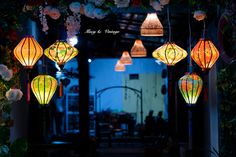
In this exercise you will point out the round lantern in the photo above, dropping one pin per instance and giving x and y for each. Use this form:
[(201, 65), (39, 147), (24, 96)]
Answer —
[(43, 87), (205, 54), (60, 52), (138, 50), (190, 86), (169, 53), (28, 51)]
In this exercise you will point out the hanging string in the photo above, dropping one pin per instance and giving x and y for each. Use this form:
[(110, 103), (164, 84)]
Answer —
[(190, 41), (168, 18), (204, 29)]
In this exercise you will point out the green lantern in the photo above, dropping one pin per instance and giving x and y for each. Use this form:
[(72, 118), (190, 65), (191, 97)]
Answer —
[(190, 86), (43, 87)]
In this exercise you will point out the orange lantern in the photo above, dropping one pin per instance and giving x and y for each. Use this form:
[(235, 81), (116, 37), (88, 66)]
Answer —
[(169, 53), (205, 54), (138, 50), (151, 26), (125, 58), (119, 66), (28, 51), (190, 86)]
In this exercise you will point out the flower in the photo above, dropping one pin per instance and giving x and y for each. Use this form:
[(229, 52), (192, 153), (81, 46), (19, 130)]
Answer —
[(54, 13), (164, 2), (75, 7), (156, 5), (199, 15), (47, 9), (99, 2), (14, 94), (3, 68), (89, 10), (7, 75)]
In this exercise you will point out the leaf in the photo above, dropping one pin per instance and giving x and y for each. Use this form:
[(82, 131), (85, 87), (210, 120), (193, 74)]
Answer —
[(4, 151), (19, 147), (4, 134)]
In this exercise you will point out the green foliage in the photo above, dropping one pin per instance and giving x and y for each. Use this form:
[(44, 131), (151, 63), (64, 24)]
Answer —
[(19, 147)]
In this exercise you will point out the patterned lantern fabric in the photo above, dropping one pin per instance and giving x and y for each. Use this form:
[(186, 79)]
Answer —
[(138, 50), (119, 66), (169, 53), (43, 87), (125, 58), (60, 52), (205, 54), (151, 26), (190, 86), (28, 51)]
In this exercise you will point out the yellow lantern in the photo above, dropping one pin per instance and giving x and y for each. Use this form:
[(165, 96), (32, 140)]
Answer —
[(151, 26), (205, 54), (125, 58), (119, 66), (169, 53), (28, 51), (43, 87), (138, 50), (190, 86), (60, 52)]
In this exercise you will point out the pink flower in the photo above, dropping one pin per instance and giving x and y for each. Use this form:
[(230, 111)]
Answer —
[(14, 94), (47, 10), (54, 13), (199, 15)]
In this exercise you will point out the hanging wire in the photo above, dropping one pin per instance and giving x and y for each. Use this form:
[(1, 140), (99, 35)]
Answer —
[(168, 18), (190, 40), (204, 29)]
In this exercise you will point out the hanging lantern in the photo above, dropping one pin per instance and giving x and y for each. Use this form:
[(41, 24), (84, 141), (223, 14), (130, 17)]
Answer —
[(169, 53), (125, 58), (60, 52), (205, 54), (28, 51), (190, 86), (119, 66), (151, 26), (43, 87), (138, 50)]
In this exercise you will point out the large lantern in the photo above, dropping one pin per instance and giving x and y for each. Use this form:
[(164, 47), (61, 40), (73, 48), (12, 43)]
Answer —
[(169, 53), (138, 50), (205, 54), (190, 86), (60, 52), (151, 26), (43, 87), (125, 58), (28, 51)]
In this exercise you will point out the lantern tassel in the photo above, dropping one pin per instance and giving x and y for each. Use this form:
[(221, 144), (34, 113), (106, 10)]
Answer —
[(61, 89)]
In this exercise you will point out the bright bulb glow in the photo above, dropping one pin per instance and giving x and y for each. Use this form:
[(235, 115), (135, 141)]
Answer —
[(72, 41), (89, 60)]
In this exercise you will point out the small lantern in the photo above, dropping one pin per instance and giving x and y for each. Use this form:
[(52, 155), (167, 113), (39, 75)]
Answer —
[(190, 86), (119, 66), (125, 58), (43, 87), (169, 53), (205, 54), (60, 52), (151, 26), (138, 50), (28, 51)]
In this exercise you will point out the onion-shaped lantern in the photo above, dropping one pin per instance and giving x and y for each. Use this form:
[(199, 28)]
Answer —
[(190, 86), (60, 52), (151, 26), (205, 54), (138, 50), (125, 58), (119, 66), (28, 51), (43, 87), (169, 53)]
